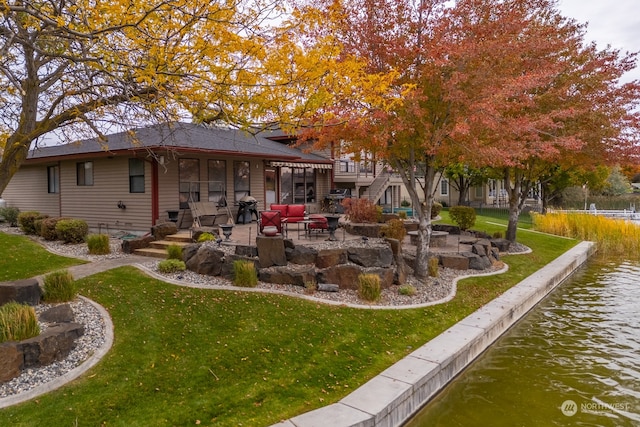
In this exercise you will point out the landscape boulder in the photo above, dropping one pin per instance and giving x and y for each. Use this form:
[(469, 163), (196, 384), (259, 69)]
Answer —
[(61, 313), (129, 246), (299, 275), (301, 255), (502, 244), (206, 260), (53, 344), (271, 251), (381, 256), (26, 291), (160, 231), (330, 257), (11, 361)]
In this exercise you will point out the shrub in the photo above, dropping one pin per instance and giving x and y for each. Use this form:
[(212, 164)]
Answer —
[(435, 209), (405, 203), (244, 274), (72, 230), (37, 224), (10, 215), (18, 322), (407, 290), (171, 266), (394, 229), (361, 210), (48, 228), (174, 251), (402, 214), (59, 287), (369, 287), (463, 216), (27, 221), (433, 267), (206, 237), (98, 244)]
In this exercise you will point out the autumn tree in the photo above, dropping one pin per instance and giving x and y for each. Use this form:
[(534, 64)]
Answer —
[(396, 106), (462, 177), (545, 95), (72, 70)]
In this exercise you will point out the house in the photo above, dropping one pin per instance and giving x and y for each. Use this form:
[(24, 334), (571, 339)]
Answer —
[(373, 180), (133, 179)]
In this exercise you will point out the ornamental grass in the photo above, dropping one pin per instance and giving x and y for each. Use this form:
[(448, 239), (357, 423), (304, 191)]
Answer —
[(369, 287), (613, 236), (18, 322), (59, 286), (98, 244), (244, 274)]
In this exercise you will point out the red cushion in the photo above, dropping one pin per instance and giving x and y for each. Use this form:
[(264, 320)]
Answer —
[(320, 222), (270, 218), (295, 213), (281, 208)]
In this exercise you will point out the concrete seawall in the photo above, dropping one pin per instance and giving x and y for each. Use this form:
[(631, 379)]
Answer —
[(395, 395)]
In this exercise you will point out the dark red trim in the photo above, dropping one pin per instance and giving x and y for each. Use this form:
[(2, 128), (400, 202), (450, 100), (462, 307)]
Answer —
[(155, 202)]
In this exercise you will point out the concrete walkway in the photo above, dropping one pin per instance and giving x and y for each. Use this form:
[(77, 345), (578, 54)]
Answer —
[(91, 268)]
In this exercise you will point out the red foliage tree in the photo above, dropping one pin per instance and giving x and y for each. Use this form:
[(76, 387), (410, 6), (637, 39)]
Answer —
[(505, 84)]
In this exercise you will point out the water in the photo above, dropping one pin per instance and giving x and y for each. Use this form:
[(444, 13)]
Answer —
[(573, 361)]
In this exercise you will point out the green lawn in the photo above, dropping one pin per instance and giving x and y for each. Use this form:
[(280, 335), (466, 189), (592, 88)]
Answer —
[(21, 258), (187, 356)]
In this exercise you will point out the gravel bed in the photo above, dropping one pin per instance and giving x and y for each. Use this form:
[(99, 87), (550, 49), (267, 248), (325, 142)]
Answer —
[(92, 339), (434, 290)]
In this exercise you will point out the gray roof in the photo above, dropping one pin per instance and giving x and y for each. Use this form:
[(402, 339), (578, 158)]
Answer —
[(182, 137)]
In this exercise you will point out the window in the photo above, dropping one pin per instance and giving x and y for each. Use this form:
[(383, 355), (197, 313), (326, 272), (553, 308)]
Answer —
[(188, 186), (444, 187), (136, 176), (297, 185), (270, 185), (479, 191), (242, 179), (286, 185), (217, 180), (84, 173), (53, 179)]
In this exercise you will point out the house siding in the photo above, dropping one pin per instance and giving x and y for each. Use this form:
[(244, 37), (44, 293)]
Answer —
[(28, 191), (98, 203)]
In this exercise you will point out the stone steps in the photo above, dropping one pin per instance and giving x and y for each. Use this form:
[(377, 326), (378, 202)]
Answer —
[(158, 248)]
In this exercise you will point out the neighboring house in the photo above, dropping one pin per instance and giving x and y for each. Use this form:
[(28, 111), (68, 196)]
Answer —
[(131, 180), (373, 180)]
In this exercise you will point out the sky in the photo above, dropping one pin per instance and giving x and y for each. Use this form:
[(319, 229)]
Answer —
[(610, 22)]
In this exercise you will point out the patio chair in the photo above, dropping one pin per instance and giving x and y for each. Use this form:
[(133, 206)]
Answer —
[(270, 218)]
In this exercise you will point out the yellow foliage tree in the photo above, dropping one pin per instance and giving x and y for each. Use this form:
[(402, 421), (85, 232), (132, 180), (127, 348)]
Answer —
[(79, 69)]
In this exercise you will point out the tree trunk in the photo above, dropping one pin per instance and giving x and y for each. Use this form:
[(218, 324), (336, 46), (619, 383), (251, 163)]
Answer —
[(518, 190), (512, 226), (423, 210)]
